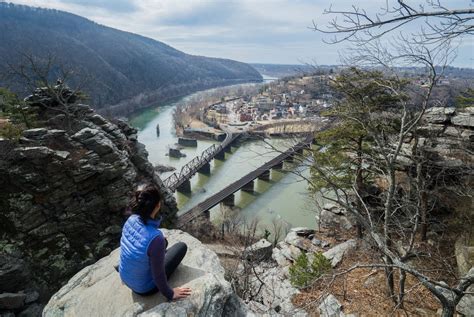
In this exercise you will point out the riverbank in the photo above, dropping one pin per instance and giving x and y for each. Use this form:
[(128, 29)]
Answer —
[(284, 198)]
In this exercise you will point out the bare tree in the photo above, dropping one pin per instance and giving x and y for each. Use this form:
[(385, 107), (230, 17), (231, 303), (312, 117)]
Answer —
[(392, 218), (440, 23), (36, 76)]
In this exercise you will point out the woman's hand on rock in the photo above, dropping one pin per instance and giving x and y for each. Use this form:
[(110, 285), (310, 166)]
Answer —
[(181, 292)]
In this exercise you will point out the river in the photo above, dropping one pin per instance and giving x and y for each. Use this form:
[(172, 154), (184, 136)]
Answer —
[(284, 198)]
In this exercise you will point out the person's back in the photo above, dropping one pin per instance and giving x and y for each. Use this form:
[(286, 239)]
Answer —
[(145, 263), (134, 267)]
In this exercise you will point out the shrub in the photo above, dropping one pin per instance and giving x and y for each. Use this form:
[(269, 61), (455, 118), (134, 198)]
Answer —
[(11, 131), (304, 272)]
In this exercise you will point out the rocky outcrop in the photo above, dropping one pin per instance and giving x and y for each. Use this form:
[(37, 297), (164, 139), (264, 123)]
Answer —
[(336, 253), (447, 134), (98, 291), (273, 289), (65, 188), (333, 216)]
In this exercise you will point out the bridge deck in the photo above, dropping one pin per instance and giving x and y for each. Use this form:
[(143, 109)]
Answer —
[(210, 202), (191, 168)]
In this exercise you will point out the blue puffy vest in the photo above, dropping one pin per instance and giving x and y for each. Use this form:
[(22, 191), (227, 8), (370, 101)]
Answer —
[(134, 265)]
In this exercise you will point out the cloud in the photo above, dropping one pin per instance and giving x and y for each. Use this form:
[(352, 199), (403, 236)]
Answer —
[(112, 6), (274, 31)]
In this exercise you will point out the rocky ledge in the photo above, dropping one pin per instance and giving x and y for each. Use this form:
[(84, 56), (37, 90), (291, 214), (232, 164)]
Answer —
[(65, 187), (98, 291)]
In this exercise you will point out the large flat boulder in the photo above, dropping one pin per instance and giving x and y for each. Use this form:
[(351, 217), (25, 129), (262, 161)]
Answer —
[(98, 291)]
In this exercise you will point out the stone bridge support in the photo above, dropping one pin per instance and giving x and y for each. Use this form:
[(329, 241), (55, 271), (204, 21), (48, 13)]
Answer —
[(205, 169), (265, 175), (229, 201), (248, 187), (185, 187), (278, 166), (220, 155)]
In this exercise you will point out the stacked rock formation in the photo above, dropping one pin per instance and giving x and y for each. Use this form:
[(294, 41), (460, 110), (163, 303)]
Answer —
[(65, 188)]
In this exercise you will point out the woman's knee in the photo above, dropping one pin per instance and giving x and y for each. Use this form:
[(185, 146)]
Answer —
[(182, 246)]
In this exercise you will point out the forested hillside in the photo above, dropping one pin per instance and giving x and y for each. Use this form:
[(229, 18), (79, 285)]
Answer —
[(115, 65)]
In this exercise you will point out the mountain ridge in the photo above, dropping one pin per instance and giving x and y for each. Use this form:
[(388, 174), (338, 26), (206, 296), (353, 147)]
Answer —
[(123, 64)]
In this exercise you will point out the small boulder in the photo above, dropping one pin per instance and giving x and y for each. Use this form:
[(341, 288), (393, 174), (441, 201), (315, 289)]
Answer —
[(299, 241), (289, 251), (330, 307), (279, 258), (259, 251), (336, 253)]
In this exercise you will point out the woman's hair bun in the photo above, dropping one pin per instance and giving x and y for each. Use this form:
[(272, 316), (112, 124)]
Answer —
[(145, 200)]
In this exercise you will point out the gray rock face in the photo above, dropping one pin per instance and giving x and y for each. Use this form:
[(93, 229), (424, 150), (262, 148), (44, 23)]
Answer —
[(439, 114), (65, 187), (98, 291), (336, 253), (464, 119), (259, 251), (466, 304), (331, 216), (12, 300), (330, 307)]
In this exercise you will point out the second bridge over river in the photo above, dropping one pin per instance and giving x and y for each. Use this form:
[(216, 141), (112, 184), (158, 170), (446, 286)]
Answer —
[(246, 183)]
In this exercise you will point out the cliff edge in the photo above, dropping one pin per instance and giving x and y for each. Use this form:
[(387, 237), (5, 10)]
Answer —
[(98, 291), (65, 187)]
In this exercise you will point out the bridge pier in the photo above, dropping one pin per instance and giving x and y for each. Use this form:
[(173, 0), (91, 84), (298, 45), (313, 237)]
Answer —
[(205, 169), (228, 148), (220, 155), (248, 187), (300, 150), (185, 187), (229, 201), (289, 159), (278, 166), (265, 175)]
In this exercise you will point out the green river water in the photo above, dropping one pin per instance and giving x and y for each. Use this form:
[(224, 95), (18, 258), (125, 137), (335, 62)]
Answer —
[(285, 197)]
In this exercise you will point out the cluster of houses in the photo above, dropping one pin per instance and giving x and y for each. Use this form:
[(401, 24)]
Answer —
[(280, 100)]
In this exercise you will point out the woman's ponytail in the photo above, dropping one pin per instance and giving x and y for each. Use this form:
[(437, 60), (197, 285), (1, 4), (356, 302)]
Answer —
[(144, 201)]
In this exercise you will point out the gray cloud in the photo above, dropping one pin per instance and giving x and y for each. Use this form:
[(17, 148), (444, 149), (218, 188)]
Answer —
[(273, 31), (109, 5)]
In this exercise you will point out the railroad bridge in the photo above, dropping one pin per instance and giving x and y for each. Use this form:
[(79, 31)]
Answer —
[(180, 181), (246, 183)]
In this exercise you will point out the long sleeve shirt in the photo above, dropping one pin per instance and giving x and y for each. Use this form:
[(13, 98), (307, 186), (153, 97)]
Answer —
[(156, 252)]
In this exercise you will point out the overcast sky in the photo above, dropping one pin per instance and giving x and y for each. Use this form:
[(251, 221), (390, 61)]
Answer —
[(258, 31)]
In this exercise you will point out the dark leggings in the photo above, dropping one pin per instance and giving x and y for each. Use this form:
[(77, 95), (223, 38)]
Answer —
[(173, 256)]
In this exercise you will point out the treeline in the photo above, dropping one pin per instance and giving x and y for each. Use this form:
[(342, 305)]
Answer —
[(110, 65)]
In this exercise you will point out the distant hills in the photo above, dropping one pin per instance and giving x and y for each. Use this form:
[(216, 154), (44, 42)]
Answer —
[(123, 71)]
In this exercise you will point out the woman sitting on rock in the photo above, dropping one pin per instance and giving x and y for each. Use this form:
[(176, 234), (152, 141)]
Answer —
[(145, 264)]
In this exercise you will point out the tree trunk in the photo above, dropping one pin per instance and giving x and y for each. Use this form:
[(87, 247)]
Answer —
[(424, 211), (401, 293), (390, 280), (359, 185)]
